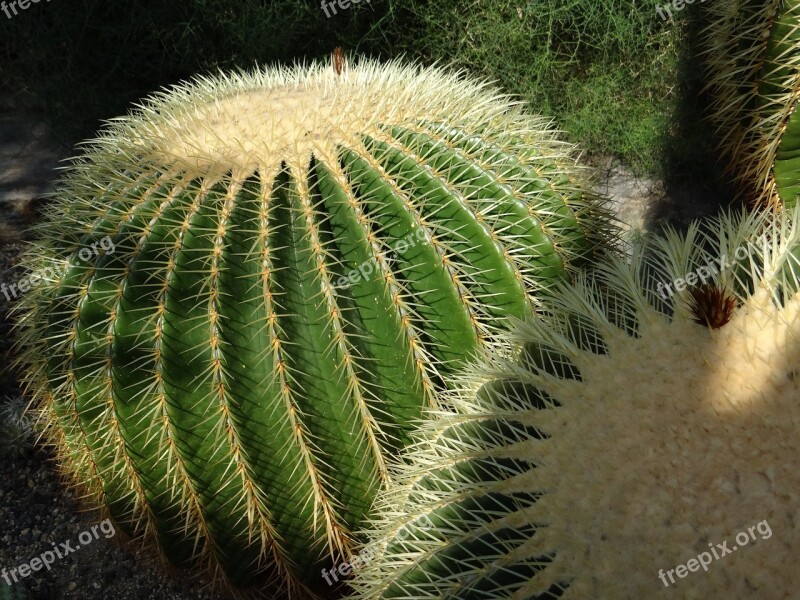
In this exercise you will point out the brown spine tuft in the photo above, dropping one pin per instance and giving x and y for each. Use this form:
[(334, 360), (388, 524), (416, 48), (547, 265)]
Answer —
[(711, 306), (338, 60)]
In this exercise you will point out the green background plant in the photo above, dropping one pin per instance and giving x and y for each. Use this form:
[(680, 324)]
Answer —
[(607, 70)]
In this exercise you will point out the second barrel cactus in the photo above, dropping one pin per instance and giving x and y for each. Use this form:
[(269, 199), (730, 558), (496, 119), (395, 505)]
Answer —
[(644, 446), (247, 290)]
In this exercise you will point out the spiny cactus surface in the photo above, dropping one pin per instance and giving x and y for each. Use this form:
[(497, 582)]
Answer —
[(250, 287), (627, 441), (753, 65)]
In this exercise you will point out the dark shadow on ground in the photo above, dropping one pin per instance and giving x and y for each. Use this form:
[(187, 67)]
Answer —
[(694, 184)]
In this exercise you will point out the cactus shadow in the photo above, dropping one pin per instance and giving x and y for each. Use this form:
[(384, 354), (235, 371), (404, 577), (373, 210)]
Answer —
[(694, 183)]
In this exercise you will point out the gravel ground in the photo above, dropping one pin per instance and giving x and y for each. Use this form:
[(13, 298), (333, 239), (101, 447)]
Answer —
[(37, 512)]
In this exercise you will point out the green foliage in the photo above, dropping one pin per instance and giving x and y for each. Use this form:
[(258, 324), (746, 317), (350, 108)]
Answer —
[(292, 267), (606, 69), (88, 60), (603, 69), (591, 106)]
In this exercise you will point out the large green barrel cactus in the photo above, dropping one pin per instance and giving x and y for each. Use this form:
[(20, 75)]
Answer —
[(247, 290), (753, 69), (645, 444)]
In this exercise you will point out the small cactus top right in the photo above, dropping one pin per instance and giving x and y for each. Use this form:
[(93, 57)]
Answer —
[(752, 57)]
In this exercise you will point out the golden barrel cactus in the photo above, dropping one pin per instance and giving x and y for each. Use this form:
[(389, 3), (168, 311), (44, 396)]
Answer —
[(645, 444), (248, 290), (752, 55)]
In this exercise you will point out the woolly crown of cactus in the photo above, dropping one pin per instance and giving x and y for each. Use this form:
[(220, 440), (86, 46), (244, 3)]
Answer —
[(628, 440), (248, 289), (753, 70)]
